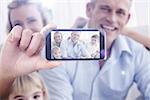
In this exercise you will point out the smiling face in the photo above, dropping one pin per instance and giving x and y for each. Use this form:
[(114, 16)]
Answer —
[(75, 36), (94, 40), (27, 16), (110, 15), (58, 37), (34, 94)]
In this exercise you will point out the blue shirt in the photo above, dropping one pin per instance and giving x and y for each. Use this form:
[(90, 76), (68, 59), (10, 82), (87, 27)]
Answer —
[(83, 80)]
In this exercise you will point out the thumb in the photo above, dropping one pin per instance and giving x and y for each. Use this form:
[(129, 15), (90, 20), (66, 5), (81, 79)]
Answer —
[(45, 64)]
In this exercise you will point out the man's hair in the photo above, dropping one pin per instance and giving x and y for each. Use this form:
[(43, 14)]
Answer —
[(95, 36), (75, 32), (93, 2), (57, 32), (56, 48)]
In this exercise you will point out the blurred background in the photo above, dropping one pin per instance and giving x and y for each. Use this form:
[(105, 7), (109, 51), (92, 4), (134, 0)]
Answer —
[(64, 12)]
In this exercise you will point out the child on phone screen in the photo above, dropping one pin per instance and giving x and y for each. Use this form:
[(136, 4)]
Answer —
[(56, 53)]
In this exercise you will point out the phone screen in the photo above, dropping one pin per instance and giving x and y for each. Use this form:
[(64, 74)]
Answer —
[(76, 44)]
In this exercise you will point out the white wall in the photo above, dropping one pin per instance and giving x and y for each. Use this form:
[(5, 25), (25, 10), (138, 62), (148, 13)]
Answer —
[(66, 11), (3, 19)]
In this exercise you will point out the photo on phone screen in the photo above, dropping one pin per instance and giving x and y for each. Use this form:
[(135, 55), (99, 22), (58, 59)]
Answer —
[(75, 44)]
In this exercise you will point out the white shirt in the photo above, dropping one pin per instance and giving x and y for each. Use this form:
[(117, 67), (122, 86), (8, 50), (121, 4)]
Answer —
[(92, 49), (71, 50)]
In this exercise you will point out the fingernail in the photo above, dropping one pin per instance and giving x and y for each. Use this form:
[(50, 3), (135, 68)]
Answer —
[(11, 37)]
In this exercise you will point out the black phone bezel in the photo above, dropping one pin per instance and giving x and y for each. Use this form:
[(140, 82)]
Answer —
[(102, 35)]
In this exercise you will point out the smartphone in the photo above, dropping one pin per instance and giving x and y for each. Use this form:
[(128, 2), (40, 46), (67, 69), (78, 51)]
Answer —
[(76, 44)]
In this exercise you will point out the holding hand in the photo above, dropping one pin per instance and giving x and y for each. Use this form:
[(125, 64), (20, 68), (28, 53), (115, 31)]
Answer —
[(21, 55)]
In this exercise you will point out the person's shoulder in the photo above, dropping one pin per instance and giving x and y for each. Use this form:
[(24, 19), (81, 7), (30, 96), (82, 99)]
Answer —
[(133, 45)]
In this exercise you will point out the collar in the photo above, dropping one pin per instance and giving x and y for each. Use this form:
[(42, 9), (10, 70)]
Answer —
[(120, 46)]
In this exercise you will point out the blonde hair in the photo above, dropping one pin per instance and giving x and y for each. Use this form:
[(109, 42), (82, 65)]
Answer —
[(24, 83), (54, 49), (18, 3)]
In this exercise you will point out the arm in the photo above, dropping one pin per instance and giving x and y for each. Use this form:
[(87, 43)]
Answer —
[(20, 56), (145, 40)]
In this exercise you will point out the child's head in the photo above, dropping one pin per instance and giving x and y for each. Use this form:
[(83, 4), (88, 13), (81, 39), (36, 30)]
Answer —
[(56, 52), (28, 87), (94, 39)]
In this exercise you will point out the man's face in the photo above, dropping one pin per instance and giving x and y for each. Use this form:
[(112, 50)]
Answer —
[(94, 40), (111, 15), (75, 36)]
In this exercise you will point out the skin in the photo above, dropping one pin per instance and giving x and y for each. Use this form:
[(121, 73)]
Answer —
[(75, 37), (94, 40), (111, 15), (57, 54), (126, 31), (27, 20), (20, 49), (34, 94), (58, 37)]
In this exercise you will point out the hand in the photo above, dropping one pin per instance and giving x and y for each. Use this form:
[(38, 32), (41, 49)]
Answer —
[(80, 22), (21, 53)]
